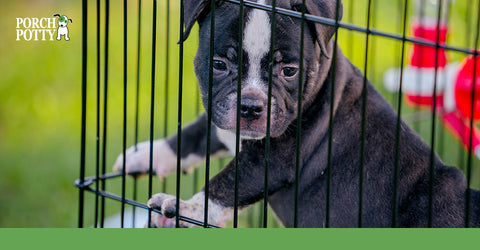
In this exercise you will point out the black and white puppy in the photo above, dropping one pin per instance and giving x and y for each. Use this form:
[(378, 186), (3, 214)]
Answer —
[(413, 189)]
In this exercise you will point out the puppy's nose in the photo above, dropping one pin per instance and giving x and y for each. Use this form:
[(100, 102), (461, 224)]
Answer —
[(251, 108)]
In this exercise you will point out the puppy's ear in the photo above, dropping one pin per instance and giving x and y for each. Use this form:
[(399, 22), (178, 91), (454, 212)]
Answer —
[(56, 15), (321, 8), (70, 20), (193, 11)]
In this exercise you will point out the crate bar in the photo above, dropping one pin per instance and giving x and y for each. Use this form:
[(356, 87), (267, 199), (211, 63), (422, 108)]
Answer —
[(469, 164), (167, 78), (97, 138), (152, 108), (351, 4), (399, 121), (441, 132), (138, 72), (373, 43), (364, 113), (124, 135), (105, 102), (468, 22), (239, 96), (398, 25), (419, 76), (137, 204), (84, 112), (330, 119), (209, 111), (370, 31), (299, 115), (269, 111), (135, 177), (179, 125), (434, 111)]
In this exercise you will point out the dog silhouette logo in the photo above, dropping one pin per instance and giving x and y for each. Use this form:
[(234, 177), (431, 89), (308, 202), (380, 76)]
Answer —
[(62, 27)]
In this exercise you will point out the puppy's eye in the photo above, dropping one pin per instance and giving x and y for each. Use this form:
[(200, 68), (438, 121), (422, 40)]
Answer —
[(289, 71), (219, 65)]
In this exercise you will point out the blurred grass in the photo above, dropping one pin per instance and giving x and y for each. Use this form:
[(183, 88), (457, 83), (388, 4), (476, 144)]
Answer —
[(40, 102)]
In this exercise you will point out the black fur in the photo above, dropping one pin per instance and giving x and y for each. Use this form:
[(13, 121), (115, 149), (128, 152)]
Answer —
[(377, 196)]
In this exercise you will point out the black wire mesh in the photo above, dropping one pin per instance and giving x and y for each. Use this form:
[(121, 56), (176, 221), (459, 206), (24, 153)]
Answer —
[(369, 31)]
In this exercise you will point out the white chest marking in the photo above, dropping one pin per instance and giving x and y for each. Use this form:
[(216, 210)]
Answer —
[(256, 43)]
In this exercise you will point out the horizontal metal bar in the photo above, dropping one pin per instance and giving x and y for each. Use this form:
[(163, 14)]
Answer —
[(142, 205), (353, 27)]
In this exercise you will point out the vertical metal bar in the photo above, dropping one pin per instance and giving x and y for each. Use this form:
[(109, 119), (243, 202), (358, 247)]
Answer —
[(105, 105), (138, 72), (135, 190), (84, 112), (441, 140), (468, 25), (396, 56), (269, 111), (299, 115), (179, 125), (135, 181), (419, 75), (97, 138), (399, 120), (152, 106), (373, 43), (364, 113), (239, 96), (209, 110), (122, 219), (472, 106), (350, 33), (330, 119), (432, 151), (167, 79)]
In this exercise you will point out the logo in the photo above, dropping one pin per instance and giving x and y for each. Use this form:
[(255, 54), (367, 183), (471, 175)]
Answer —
[(43, 29)]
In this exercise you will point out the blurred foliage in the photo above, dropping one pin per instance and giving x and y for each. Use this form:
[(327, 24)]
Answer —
[(40, 101)]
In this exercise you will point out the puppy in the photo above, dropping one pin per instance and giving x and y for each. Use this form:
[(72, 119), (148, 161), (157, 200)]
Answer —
[(62, 27), (449, 190)]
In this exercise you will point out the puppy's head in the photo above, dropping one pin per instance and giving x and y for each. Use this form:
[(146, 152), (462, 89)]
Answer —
[(257, 35), (62, 20)]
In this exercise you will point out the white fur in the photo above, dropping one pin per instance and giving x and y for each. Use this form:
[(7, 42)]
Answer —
[(164, 159), (217, 214), (228, 139), (256, 42)]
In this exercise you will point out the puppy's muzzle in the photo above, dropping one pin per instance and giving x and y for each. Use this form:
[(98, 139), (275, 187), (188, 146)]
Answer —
[(252, 108)]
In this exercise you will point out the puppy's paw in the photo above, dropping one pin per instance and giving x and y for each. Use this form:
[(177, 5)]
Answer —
[(138, 159), (193, 209), (167, 204), (160, 221)]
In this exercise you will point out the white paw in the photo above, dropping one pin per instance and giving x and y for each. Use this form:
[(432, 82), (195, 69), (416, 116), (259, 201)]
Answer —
[(138, 159), (193, 209), (168, 205)]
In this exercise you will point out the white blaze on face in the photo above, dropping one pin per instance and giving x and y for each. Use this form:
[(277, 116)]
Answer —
[(256, 43)]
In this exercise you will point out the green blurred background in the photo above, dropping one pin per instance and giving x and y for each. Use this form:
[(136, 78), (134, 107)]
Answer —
[(40, 101)]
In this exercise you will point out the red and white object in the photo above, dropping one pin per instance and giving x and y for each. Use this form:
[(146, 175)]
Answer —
[(468, 75), (454, 82), (418, 81)]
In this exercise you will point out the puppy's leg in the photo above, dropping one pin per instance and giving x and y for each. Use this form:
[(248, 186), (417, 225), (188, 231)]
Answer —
[(165, 151), (222, 192), (66, 36)]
